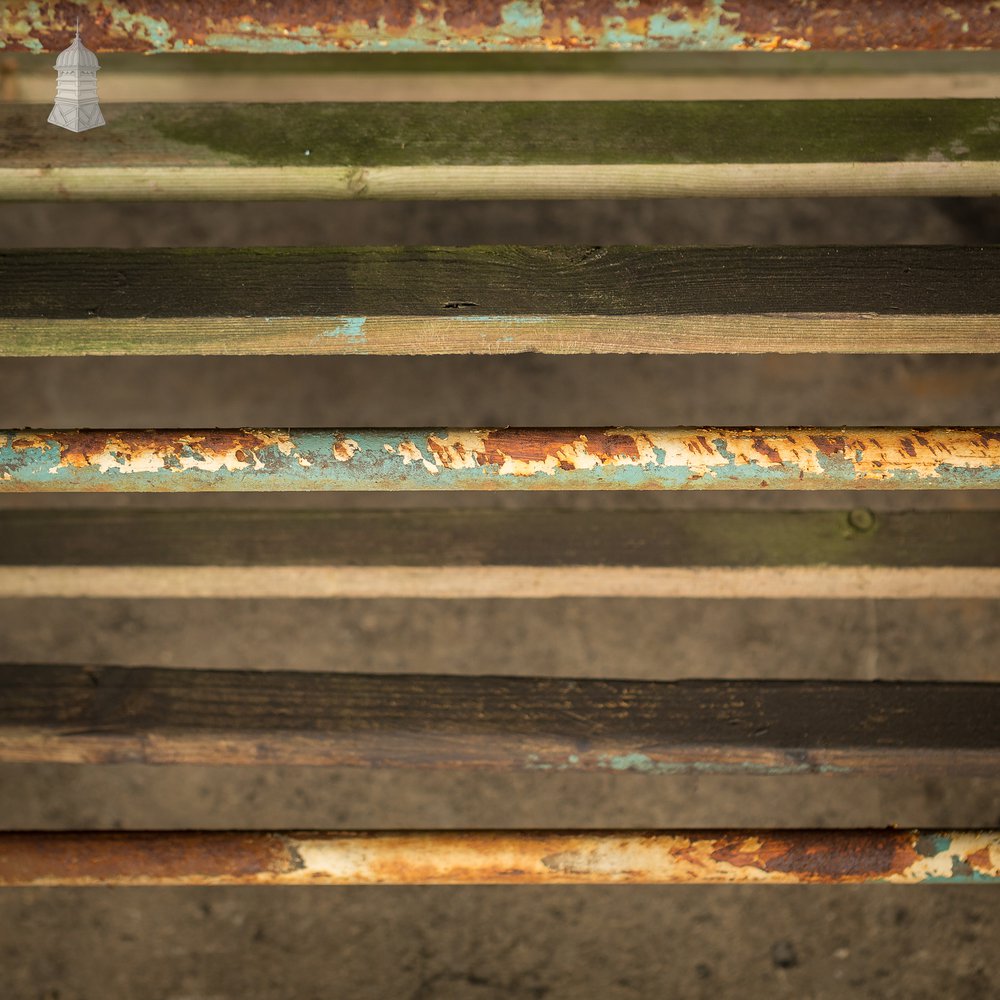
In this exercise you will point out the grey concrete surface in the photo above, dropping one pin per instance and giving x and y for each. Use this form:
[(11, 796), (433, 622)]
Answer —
[(485, 943)]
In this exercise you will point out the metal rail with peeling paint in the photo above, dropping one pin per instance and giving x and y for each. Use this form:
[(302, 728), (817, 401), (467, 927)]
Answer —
[(708, 458), (516, 857), (500, 25)]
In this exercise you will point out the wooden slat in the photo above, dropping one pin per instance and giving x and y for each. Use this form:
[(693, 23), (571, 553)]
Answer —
[(278, 459), (506, 150), (583, 76), (501, 25), (468, 554), (90, 715), (500, 300), (282, 88), (563, 857)]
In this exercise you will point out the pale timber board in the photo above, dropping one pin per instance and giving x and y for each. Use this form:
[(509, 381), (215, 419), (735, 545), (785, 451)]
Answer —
[(279, 88)]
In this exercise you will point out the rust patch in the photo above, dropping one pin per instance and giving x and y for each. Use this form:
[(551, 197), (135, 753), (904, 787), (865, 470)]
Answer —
[(395, 25), (143, 449), (832, 447), (767, 450), (530, 445), (816, 856), (40, 858), (866, 24), (980, 860)]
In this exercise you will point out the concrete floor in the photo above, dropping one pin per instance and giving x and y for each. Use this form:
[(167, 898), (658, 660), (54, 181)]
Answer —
[(423, 943)]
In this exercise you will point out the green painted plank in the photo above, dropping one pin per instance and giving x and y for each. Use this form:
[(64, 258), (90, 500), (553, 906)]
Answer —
[(523, 133), (500, 150)]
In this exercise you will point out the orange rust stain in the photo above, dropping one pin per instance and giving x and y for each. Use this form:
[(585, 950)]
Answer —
[(981, 860), (531, 445), (344, 449), (452, 453), (79, 449), (33, 858), (767, 450), (832, 447), (815, 856), (761, 24)]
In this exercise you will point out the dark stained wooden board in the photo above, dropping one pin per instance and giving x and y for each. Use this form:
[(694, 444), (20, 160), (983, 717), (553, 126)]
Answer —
[(505, 299), (149, 715), (464, 537)]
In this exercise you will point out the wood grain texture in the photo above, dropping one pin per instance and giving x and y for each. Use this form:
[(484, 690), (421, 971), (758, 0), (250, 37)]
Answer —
[(465, 554), (501, 857), (507, 150), (156, 716), (391, 85), (561, 300), (500, 458)]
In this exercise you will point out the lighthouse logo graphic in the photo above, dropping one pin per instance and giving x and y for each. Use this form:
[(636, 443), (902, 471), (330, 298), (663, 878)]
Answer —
[(76, 106)]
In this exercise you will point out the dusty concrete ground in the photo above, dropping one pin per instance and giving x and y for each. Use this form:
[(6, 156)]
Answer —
[(423, 943)]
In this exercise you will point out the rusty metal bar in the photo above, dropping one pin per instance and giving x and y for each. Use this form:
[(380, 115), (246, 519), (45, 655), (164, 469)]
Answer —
[(500, 459), (500, 25), (748, 857)]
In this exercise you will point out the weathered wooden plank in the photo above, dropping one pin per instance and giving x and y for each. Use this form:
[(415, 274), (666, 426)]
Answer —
[(500, 300), (468, 554), (86, 715), (507, 150), (843, 63), (581, 76), (803, 458), (512, 857), (281, 88), (500, 25)]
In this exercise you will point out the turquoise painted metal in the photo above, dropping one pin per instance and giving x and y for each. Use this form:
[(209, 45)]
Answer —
[(499, 25), (500, 459)]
